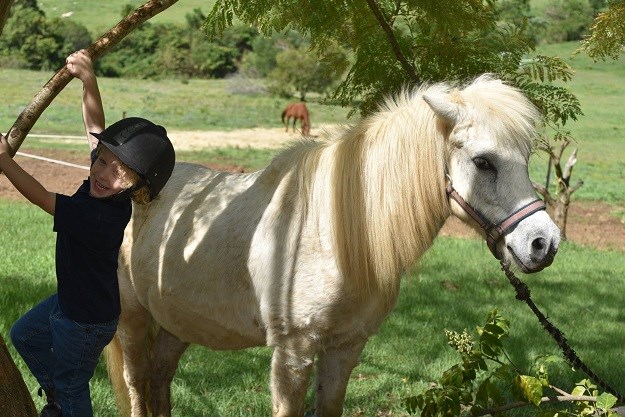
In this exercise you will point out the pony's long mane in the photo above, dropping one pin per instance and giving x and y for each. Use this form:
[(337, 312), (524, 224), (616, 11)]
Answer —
[(387, 174), (389, 192)]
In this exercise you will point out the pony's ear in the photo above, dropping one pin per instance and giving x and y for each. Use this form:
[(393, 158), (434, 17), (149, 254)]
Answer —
[(444, 108)]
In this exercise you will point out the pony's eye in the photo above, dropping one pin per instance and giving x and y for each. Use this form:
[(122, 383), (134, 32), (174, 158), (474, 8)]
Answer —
[(483, 164)]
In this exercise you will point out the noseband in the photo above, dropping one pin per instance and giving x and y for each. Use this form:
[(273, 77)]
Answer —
[(494, 232)]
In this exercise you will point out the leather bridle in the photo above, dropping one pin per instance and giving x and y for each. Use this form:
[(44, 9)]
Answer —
[(494, 232)]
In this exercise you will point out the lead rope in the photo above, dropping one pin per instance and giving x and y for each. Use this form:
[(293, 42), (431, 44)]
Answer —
[(523, 294)]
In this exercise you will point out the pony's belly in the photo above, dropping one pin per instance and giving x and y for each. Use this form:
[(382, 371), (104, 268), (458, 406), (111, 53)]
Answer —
[(234, 328)]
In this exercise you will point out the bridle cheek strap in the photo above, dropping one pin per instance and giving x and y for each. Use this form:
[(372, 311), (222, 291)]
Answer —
[(494, 232)]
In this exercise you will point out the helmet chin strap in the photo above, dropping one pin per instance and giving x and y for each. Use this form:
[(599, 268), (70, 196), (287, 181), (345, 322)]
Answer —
[(494, 232)]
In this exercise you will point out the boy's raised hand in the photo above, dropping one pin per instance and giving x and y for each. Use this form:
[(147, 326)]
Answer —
[(4, 145), (79, 64)]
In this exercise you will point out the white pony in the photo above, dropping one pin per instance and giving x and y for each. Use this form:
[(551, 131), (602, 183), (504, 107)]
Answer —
[(306, 255)]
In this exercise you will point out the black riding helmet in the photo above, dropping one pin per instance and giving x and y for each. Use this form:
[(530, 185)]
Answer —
[(144, 147)]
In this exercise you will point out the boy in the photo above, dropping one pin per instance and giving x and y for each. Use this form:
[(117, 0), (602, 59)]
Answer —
[(61, 338)]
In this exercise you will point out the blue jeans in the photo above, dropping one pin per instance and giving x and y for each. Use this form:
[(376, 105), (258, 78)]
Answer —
[(61, 353)]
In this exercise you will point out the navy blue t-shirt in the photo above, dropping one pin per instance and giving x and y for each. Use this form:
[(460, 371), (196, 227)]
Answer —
[(89, 234)]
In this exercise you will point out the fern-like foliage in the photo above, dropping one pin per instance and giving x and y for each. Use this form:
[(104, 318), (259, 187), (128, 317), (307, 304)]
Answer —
[(607, 34), (398, 43)]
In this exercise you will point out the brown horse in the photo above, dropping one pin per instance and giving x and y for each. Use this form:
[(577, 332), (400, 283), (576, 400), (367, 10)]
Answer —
[(297, 111)]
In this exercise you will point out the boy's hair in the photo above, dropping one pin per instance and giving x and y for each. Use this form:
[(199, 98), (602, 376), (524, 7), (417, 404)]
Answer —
[(144, 147), (129, 179)]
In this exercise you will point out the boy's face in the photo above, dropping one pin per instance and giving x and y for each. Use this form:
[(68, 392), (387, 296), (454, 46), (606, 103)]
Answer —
[(105, 178)]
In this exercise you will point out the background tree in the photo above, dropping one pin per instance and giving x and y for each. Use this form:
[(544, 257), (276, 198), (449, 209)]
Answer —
[(566, 20), (299, 71), (34, 42)]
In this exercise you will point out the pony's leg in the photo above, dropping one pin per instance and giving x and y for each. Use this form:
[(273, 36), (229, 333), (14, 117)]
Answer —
[(334, 367), (132, 332), (290, 375), (166, 353)]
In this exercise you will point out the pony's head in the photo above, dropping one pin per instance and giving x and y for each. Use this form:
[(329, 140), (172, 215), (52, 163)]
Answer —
[(489, 127)]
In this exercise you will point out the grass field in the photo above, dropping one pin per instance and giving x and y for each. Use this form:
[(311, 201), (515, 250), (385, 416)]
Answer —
[(193, 105), (458, 283), (100, 16)]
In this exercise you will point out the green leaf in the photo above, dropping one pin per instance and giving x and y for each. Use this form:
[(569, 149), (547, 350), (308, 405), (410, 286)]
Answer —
[(606, 401), (481, 396), (453, 376), (530, 387), (579, 390)]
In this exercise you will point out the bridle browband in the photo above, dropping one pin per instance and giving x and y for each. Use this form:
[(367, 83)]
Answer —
[(494, 232)]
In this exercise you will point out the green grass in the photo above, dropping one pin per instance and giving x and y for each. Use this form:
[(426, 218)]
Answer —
[(193, 105), (577, 293), (100, 16)]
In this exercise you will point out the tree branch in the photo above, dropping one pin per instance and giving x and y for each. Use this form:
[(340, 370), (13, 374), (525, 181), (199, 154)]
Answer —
[(26, 120), (543, 192), (554, 399), (5, 10), (568, 167), (393, 41), (576, 187)]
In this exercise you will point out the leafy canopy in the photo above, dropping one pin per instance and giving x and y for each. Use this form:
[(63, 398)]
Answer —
[(395, 43)]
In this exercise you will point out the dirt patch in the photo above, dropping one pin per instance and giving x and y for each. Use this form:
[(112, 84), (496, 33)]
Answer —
[(590, 223), (254, 138)]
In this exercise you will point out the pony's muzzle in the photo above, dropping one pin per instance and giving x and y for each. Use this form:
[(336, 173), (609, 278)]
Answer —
[(536, 254)]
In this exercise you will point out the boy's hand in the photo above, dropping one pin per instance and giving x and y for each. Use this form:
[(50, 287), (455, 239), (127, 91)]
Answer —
[(4, 145), (79, 65)]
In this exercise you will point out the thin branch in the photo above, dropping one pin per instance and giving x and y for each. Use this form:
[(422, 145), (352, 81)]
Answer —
[(393, 41), (540, 189), (568, 167), (576, 187), (558, 390), (520, 404), (565, 143), (26, 120)]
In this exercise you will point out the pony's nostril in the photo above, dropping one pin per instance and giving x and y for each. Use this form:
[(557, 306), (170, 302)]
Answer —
[(539, 244)]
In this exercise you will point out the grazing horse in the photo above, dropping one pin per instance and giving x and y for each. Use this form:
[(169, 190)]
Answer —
[(297, 111), (306, 255)]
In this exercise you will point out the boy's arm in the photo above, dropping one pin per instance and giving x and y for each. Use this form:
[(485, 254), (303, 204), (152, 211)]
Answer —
[(80, 66), (28, 186)]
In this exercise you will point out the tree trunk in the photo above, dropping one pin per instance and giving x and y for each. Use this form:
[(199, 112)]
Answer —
[(560, 212), (5, 10), (15, 399), (561, 202), (26, 120)]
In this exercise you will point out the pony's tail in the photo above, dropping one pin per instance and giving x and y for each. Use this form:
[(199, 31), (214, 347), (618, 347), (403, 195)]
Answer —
[(115, 366), (283, 113)]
